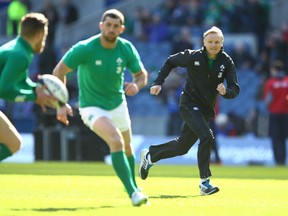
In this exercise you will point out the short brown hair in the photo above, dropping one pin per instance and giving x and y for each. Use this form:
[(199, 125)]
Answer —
[(115, 14), (32, 23)]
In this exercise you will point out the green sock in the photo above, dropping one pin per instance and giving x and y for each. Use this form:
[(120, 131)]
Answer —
[(131, 160), (4, 152), (122, 169)]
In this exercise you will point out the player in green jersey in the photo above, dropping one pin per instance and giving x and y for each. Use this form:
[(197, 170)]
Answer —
[(15, 84), (101, 61)]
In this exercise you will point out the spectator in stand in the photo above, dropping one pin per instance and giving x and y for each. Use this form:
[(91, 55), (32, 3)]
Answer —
[(166, 10), (15, 11), (262, 65), (180, 13), (68, 12), (275, 46), (182, 41), (50, 11), (224, 126), (257, 19), (195, 14), (158, 30), (172, 89), (242, 57), (212, 15), (275, 97), (141, 24), (231, 16)]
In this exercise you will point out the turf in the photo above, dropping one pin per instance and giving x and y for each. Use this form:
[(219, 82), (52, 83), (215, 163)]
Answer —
[(92, 189)]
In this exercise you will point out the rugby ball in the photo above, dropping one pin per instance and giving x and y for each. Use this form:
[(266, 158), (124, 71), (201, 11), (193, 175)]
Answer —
[(54, 86)]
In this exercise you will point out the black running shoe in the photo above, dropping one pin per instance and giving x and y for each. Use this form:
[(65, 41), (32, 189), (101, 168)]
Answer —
[(207, 189), (144, 164)]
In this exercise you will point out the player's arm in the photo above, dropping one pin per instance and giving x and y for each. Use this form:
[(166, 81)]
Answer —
[(232, 89), (14, 83), (60, 71), (141, 78), (16, 86), (139, 81), (163, 73)]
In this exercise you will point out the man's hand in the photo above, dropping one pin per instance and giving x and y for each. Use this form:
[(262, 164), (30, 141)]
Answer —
[(63, 112), (221, 89), (131, 88), (43, 99), (155, 90)]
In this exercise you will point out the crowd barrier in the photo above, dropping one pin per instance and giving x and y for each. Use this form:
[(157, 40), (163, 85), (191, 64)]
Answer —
[(244, 150)]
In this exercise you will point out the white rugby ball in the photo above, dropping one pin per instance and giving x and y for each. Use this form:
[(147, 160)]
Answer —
[(55, 87)]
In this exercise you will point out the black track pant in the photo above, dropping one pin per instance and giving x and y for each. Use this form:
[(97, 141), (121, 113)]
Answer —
[(278, 127), (195, 127)]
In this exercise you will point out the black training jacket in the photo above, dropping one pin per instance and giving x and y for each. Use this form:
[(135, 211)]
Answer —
[(201, 83)]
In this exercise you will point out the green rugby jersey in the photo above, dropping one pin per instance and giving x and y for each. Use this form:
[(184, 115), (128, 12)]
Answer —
[(15, 59), (101, 70)]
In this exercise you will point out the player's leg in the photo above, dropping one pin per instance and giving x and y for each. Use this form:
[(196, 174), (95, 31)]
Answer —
[(121, 119), (100, 122), (113, 137), (10, 139), (130, 153)]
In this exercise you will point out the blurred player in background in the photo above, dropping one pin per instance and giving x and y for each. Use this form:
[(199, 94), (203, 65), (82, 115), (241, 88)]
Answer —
[(275, 97), (207, 69), (101, 61), (15, 84)]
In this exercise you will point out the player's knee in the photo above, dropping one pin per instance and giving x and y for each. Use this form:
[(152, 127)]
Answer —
[(115, 143), (128, 150), (16, 145), (179, 147), (182, 152), (207, 138)]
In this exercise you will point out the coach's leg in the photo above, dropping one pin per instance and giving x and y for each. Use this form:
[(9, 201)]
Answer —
[(10, 139), (197, 122), (113, 137), (176, 147)]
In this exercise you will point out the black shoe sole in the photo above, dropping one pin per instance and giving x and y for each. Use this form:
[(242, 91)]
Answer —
[(213, 191)]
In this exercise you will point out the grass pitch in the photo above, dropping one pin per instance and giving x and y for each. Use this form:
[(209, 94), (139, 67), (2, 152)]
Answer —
[(61, 189)]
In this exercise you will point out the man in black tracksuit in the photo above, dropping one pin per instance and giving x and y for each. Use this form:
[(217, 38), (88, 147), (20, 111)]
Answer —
[(207, 69)]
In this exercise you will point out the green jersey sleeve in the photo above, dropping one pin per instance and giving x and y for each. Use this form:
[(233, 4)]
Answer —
[(134, 64), (74, 56), (15, 84)]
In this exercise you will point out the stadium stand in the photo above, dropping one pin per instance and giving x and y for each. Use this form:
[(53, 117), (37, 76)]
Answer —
[(153, 55)]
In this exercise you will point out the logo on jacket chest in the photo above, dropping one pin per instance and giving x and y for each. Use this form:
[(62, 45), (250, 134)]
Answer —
[(221, 71)]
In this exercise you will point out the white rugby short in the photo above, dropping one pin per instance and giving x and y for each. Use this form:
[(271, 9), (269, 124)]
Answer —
[(119, 116)]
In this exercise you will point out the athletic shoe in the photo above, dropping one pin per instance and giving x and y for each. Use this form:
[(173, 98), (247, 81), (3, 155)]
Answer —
[(207, 189), (138, 198), (144, 164)]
